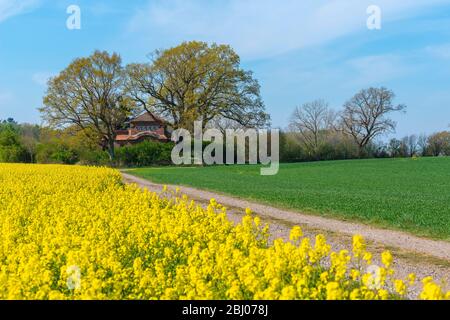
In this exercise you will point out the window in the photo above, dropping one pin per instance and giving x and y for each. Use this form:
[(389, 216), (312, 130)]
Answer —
[(147, 128)]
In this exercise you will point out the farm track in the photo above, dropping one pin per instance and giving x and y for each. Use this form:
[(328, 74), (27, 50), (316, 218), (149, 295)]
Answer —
[(422, 256)]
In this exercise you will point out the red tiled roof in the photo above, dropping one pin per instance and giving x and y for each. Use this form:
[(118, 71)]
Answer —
[(147, 117), (122, 137), (139, 135)]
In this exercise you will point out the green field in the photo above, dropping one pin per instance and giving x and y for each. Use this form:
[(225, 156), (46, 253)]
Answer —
[(406, 194)]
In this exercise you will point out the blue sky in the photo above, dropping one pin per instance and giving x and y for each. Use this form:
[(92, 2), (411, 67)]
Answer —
[(298, 50)]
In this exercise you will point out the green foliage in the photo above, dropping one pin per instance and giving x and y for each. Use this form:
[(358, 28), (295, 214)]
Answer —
[(439, 144), (93, 157), (89, 95), (197, 80), (65, 155), (12, 154), (56, 152), (11, 149), (407, 194), (335, 147), (9, 137), (147, 153)]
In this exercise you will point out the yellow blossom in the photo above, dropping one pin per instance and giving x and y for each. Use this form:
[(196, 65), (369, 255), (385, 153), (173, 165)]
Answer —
[(72, 232), (296, 233), (386, 258), (400, 287), (334, 292), (412, 278), (359, 246)]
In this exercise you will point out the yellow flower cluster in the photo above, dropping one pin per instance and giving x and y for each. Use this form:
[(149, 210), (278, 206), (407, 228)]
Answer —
[(79, 233)]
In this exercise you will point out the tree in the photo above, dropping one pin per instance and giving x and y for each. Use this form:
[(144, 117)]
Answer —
[(365, 116), (312, 121), (422, 143), (9, 121), (195, 81), (439, 143), (89, 95), (29, 136), (395, 147), (404, 148), (11, 150), (410, 145)]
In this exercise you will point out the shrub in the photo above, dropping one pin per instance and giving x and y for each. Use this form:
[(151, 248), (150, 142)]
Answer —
[(56, 153), (90, 157), (11, 150), (147, 153), (13, 154)]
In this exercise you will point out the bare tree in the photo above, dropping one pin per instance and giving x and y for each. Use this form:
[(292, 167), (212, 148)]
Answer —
[(412, 144), (365, 115), (312, 121), (422, 143), (395, 147)]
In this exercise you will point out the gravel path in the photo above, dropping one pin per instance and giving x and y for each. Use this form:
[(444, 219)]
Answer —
[(413, 254)]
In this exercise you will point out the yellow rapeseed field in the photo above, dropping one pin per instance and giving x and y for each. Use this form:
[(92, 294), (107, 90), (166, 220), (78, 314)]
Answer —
[(79, 233)]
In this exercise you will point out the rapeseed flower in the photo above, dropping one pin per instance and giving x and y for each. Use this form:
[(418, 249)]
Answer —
[(69, 232)]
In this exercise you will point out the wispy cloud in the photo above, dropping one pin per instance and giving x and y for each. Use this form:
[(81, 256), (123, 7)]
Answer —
[(261, 28), (10, 8)]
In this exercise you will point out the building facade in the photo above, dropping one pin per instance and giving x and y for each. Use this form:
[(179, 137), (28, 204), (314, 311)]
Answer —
[(144, 127)]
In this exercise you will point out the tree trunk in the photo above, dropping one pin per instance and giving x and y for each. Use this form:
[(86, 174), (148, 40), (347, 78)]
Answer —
[(111, 150), (361, 151)]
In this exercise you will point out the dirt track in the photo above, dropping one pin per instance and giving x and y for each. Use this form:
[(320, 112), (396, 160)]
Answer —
[(422, 256)]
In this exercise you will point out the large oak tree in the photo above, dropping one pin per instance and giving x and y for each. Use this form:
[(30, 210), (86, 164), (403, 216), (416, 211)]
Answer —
[(89, 94), (197, 81)]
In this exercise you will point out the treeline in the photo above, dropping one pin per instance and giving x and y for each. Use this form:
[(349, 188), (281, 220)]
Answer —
[(338, 146), (316, 132), (30, 143)]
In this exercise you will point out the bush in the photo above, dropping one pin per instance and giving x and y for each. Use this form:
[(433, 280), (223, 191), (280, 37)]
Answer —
[(144, 154), (94, 158), (66, 156), (12, 154), (11, 150), (56, 153)]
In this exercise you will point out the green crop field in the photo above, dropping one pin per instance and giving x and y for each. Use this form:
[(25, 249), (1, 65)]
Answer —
[(405, 194)]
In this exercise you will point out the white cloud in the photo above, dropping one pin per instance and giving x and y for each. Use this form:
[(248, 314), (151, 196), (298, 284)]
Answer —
[(41, 78), (261, 28), (10, 8)]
